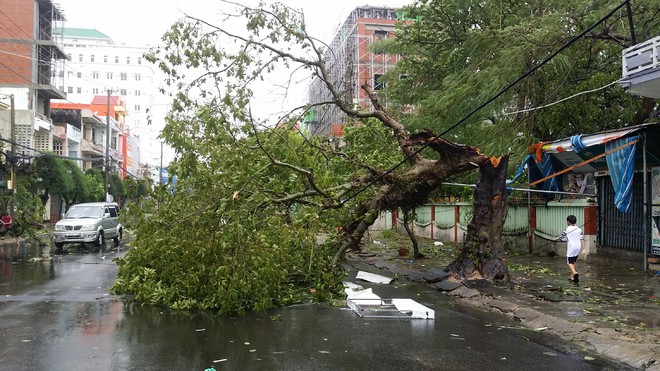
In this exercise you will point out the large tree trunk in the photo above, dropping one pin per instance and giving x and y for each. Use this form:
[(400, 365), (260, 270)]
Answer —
[(483, 250), (411, 188)]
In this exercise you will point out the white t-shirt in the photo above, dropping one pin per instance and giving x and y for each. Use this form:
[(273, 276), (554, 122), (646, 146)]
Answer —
[(573, 236)]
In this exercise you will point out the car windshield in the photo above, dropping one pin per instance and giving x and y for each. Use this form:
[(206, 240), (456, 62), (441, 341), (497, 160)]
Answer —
[(78, 212)]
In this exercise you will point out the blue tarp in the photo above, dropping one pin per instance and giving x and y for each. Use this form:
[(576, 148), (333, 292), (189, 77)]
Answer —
[(621, 164), (546, 169)]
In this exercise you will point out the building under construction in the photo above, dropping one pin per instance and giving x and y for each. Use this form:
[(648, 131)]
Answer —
[(32, 59), (351, 63)]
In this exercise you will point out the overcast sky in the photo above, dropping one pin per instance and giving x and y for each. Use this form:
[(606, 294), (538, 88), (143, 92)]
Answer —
[(142, 22)]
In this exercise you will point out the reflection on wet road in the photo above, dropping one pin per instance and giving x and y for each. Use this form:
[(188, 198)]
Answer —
[(57, 314)]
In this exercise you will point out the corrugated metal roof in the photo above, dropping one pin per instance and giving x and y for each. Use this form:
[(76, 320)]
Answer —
[(589, 140)]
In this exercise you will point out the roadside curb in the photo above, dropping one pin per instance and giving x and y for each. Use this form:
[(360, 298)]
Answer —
[(637, 349)]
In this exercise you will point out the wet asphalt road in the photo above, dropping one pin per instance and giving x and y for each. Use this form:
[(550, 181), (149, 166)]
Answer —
[(57, 314)]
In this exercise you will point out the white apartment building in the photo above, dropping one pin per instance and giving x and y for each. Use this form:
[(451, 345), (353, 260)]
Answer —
[(97, 64)]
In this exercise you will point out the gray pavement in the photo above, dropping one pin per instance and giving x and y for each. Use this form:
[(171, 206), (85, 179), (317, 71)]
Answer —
[(614, 311)]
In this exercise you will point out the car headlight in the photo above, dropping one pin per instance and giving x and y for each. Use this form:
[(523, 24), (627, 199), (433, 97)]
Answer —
[(89, 227), (59, 227)]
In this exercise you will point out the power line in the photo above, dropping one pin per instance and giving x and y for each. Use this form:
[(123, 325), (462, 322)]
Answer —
[(44, 153), (562, 100), (487, 102), (11, 29)]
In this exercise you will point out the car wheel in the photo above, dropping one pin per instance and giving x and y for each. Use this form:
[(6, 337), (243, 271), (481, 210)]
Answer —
[(100, 241), (117, 239)]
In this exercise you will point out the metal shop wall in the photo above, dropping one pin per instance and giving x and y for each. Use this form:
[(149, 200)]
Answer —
[(619, 230)]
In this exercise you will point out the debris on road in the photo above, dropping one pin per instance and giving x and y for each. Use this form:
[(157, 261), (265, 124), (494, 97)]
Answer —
[(373, 278)]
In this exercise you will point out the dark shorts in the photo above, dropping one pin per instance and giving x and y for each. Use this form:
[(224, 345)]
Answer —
[(571, 259)]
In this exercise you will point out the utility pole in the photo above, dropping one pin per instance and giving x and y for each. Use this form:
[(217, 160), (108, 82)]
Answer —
[(160, 174), (14, 195), (107, 147)]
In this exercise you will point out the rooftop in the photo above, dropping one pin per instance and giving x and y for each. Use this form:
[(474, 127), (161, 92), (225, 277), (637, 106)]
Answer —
[(89, 33)]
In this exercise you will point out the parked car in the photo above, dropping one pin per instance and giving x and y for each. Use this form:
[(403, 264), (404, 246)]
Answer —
[(89, 222)]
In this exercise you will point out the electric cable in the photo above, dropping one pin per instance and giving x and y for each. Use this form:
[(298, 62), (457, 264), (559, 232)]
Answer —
[(561, 100)]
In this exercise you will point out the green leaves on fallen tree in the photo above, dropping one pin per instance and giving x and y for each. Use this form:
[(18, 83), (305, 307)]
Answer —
[(236, 237)]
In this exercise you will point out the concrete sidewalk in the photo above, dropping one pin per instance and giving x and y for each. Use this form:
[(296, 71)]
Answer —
[(615, 310)]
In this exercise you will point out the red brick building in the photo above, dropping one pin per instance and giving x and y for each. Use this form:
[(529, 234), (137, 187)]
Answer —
[(30, 60)]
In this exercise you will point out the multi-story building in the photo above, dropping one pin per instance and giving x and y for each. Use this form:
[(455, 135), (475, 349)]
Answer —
[(350, 64), (31, 57), (98, 65), (123, 151)]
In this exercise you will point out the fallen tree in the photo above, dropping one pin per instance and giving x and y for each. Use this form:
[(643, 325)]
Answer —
[(253, 198)]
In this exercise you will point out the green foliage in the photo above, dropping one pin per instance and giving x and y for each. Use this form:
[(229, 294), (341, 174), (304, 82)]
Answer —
[(210, 248), (95, 182), (240, 227), (116, 188), (373, 144), (240, 231), (144, 188), (130, 188), (389, 234), (250, 199), (52, 176), (458, 54), (81, 187), (29, 214)]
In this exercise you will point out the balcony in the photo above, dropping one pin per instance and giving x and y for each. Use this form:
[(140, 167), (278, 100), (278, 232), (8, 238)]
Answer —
[(91, 149), (641, 69), (73, 133)]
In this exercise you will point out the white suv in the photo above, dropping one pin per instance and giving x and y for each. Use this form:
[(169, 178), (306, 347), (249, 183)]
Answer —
[(89, 222)]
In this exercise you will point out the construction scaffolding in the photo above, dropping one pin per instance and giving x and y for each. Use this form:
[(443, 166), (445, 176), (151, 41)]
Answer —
[(50, 55), (351, 63)]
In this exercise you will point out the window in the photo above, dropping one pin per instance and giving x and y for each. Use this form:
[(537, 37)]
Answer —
[(116, 59), (379, 84), (58, 148), (137, 108), (95, 90), (113, 143), (123, 75), (80, 58), (79, 90), (138, 93), (69, 56), (79, 75), (105, 59), (108, 75), (380, 34), (113, 211), (138, 77), (91, 58), (139, 60), (95, 75), (122, 91), (69, 90), (69, 74), (128, 60), (61, 73)]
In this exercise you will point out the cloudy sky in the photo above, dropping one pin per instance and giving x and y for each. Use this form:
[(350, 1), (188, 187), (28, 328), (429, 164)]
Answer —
[(142, 22)]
